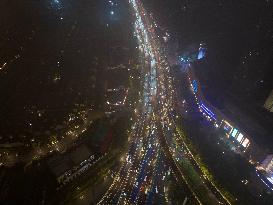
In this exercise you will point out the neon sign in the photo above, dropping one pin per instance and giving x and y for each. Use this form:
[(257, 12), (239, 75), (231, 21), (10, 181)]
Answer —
[(208, 111), (234, 132)]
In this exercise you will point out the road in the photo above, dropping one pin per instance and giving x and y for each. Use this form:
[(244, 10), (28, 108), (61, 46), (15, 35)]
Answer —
[(150, 158)]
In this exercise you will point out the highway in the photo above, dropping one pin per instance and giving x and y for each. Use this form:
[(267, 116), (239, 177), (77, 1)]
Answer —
[(142, 178)]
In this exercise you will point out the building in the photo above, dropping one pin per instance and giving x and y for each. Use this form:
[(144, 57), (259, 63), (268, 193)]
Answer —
[(239, 136), (68, 166), (267, 164), (269, 102), (266, 171)]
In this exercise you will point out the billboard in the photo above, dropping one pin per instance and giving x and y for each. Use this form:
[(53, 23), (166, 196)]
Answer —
[(240, 137), (245, 142), (234, 132)]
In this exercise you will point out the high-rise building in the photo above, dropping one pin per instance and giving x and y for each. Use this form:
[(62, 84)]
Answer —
[(269, 102)]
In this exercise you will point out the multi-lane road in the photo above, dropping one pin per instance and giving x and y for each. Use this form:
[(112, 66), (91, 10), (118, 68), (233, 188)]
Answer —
[(144, 175)]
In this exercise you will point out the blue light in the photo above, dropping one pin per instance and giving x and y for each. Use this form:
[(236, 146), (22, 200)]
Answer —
[(270, 179), (234, 132), (202, 53), (184, 59), (56, 4), (195, 86), (208, 112), (226, 127)]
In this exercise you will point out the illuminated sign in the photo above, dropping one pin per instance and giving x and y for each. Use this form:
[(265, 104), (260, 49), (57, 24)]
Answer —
[(195, 86), (208, 111), (202, 53), (240, 137), (270, 179), (227, 127), (245, 142), (234, 132)]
